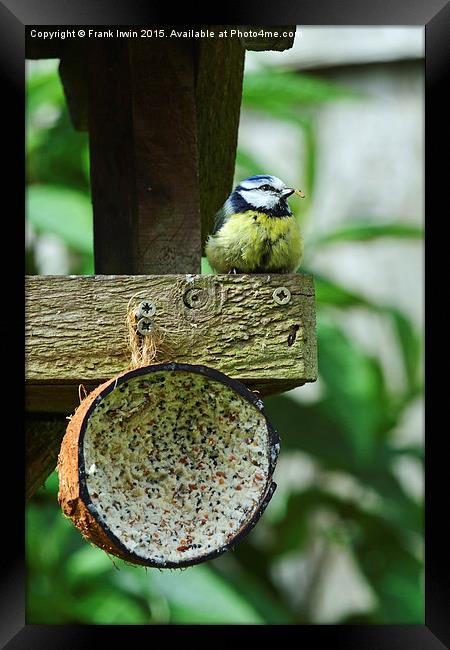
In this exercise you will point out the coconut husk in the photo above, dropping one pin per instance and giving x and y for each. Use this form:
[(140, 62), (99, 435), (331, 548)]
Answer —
[(76, 481)]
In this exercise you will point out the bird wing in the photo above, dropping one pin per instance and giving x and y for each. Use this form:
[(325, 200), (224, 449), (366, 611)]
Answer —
[(219, 220)]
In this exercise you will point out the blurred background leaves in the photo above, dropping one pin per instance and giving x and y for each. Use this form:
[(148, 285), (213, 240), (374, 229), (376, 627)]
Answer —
[(58, 209), (341, 541)]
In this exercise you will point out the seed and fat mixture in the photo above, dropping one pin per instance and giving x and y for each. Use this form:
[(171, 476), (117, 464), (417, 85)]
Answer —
[(176, 464)]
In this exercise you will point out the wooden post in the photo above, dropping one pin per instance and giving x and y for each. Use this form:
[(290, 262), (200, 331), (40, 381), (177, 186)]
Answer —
[(144, 161), (44, 433), (218, 97)]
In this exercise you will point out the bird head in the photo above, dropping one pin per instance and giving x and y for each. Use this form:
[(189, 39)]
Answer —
[(264, 193)]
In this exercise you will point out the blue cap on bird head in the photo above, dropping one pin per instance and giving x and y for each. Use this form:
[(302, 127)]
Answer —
[(264, 192)]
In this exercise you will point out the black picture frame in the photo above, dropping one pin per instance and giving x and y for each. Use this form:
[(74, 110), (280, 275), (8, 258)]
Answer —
[(15, 16)]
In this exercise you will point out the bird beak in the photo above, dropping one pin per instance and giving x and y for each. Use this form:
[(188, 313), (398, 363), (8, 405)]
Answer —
[(290, 190)]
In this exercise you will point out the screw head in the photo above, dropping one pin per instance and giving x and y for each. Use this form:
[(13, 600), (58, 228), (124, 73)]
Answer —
[(146, 309), (145, 326), (281, 295)]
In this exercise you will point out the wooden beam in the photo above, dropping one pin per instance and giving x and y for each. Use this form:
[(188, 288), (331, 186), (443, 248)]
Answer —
[(220, 71), (37, 48), (72, 72), (144, 162), (112, 156), (283, 40), (76, 332), (44, 433)]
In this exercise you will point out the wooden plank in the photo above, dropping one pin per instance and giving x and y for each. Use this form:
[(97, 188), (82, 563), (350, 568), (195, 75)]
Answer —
[(144, 161), (111, 155), (72, 72), (220, 71), (76, 332), (283, 40), (44, 433), (55, 398), (37, 48)]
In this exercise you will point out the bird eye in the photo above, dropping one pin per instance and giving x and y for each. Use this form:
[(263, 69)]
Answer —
[(265, 187)]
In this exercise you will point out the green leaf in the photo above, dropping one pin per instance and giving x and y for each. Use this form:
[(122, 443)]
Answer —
[(137, 582), (270, 90), (63, 212), (356, 397), (346, 427), (415, 451), (50, 487), (410, 346), (367, 231), (45, 557), (102, 606), (311, 429), (309, 139), (205, 267), (393, 571), (380, 547), (331, 294), (87, 564), (397, 507), (44, 104), (240, 576), (43, 88), (83, 264), (199, 595)]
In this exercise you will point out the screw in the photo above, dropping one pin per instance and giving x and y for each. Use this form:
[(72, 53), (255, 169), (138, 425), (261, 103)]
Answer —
[(145, 310), (195, 298), (281, 295), (145, 326)]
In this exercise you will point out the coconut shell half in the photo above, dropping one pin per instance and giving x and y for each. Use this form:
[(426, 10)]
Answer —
[(168, 465)]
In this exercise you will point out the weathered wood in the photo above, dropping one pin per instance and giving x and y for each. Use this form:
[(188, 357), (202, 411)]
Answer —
[(44, 433), (72, 72), (112, 156), (38, 48), (55, 398), (282, 41), (218, 97), (76, 332), (144, 161)]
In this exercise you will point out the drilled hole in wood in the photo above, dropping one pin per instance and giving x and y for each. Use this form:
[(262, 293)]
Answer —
[(293, 335), (195, 298)]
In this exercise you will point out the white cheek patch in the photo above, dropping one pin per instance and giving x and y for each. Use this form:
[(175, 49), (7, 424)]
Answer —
[(260, 199)]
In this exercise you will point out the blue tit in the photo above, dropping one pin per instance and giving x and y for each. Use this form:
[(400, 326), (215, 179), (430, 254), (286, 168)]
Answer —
[(255, 230)]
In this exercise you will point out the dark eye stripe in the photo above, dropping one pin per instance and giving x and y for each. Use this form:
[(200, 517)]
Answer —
[(261, 187), (267, 187)]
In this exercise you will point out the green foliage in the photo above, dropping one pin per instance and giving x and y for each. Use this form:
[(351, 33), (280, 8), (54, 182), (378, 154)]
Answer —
[(367, 231), (61, 211), (283, 94), (354, 500), (73, 582), (57, 168)]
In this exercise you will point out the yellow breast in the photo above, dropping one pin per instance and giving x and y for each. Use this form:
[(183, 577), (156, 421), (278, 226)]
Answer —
[(253, 242)]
